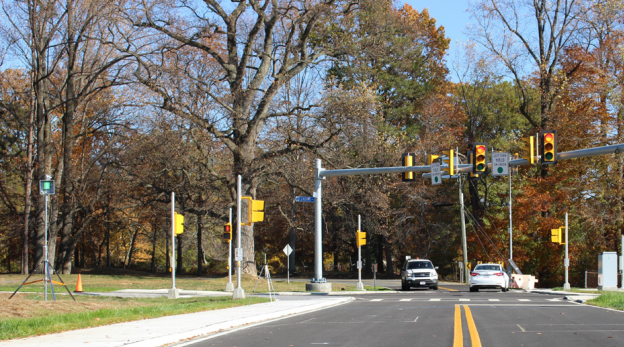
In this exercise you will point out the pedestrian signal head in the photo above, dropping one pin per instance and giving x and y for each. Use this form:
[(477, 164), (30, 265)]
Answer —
[(227, 232)]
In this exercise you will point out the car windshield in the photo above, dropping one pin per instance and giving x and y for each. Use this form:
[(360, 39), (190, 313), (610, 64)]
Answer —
[(419, 265), (488, 267)]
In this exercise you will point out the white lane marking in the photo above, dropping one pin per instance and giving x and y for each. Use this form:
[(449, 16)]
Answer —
[(415, 320), (553, 299), (524, 299), (464, 299), (521, 328), (493, 299), (320, 343), (405, 300), (434, 299), (376, 299)]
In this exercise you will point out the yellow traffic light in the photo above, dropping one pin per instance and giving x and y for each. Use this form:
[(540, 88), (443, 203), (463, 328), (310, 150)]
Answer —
[(431, 158), (450, 161), (480, 157), (549, 147), (227, 232), (360, 238), (408, 159), (255, 210), (529, 149), (557, 235), (179, 223)]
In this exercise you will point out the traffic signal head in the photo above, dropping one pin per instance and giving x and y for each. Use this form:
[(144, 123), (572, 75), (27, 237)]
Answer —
[(179, 223), (360, 238), (480, 157), (431, 158), (408, 159), (555, 235), (255, 210), (450, 161), (549, 147), (529, 149), (227, 232)]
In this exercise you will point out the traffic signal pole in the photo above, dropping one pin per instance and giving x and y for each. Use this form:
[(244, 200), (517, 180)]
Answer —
[(239, 292), (463, 228), (173, 292), (360, 285), (510, 224), (566, 261)]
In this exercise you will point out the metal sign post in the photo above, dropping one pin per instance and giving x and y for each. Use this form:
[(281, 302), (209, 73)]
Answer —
[(566, 261), (239, 292), (173, 292), (359, 285), (287, 251)]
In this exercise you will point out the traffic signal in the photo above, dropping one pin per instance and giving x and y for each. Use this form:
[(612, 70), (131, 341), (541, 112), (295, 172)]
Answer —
[(450, 161), (480, 157), (255, 211), (179, 223), (557, 235), (408, 159), (360, 238), (529, 149), (46, 187), (227, 232), (470, 158), (548, 146), (431, 158)]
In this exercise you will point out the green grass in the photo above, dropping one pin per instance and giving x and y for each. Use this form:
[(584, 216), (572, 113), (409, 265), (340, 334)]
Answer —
[(116, 310), (608, 299), (576, 290)]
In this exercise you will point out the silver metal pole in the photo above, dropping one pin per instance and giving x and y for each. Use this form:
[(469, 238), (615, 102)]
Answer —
[(510, 222), (318, 234), (566, 263), (172, 262), (239, 292), (463, 227), (238, 228), (621, 262), (230, 251), (45, 251), (360, 285)]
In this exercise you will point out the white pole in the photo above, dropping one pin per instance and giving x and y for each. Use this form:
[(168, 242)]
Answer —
[(45, 251), (172, 262), (288, 268), (360, 285), (566, 263), (318, 233), (239, 293), (510, 223)]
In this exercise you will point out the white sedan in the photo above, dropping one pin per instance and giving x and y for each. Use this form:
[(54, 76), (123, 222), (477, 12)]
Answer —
[(488, 276)]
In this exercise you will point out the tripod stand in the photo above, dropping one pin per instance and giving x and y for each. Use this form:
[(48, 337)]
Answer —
[(47, 277)]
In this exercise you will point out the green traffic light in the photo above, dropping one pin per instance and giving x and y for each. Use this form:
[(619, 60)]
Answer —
[(549, 156), (480, 167)]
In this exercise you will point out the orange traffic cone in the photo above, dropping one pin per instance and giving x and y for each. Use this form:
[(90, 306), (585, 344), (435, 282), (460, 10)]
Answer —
[(79, 285)]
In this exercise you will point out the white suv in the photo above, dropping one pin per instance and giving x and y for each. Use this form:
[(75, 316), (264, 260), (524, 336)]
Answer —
[(419, 273)]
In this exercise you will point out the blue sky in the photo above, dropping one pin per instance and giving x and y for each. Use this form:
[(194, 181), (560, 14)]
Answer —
[(449, 13)]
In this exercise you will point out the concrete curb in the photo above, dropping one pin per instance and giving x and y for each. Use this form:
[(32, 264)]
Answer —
[(177, 329)]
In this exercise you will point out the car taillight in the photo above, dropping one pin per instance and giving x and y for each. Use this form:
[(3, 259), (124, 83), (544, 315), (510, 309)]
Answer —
[(499, 274), (474, 274)]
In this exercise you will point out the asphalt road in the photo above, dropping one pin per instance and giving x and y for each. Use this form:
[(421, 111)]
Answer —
[(451, 316)]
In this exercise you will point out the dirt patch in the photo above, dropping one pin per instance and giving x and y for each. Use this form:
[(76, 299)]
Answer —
[(33, 305)]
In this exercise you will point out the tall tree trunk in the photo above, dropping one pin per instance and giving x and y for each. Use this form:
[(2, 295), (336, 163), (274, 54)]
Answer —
[(389, 264), (154, 239), (379, 253), (132, 243), (28, 187), (200, 250)]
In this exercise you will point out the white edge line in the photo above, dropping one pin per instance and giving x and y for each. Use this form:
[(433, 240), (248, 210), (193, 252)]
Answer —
[(235, 329)]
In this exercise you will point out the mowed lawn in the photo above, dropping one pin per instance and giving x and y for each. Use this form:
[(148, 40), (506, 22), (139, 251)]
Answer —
[(109, 283)]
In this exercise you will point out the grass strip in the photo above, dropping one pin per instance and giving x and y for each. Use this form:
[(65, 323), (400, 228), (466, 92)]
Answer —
[(609, 299), (11, 328)]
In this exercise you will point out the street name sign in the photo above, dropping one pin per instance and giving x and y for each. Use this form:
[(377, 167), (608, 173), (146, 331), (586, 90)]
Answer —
[(304, 199), (500, 164)]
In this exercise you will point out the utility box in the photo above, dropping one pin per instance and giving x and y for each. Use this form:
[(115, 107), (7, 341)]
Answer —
[(607, 271)]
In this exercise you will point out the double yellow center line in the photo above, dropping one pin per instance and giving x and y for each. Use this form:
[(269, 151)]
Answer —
[(458, 340)]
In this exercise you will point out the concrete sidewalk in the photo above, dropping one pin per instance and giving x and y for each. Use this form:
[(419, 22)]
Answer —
[(174, 329)]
